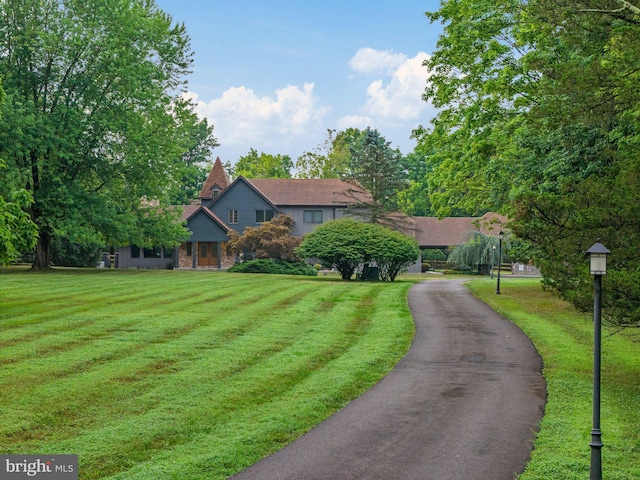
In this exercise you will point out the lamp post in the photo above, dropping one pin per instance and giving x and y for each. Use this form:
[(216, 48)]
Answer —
[(493, 260), (500, 236), (598, 267)]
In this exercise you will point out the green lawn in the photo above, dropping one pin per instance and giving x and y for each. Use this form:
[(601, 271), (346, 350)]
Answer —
[(174, 375), (168, 374), (564, 338)]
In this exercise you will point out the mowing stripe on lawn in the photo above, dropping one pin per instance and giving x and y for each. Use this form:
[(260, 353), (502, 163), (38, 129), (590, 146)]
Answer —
[(141, 382)]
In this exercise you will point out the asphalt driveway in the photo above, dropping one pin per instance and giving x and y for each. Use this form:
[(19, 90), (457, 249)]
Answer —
[(463, 404)]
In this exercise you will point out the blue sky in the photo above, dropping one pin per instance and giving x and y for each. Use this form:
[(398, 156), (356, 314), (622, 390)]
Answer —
[(275, 75)]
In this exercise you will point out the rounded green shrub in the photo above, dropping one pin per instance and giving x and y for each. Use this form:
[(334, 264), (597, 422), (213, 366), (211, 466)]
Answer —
[(279, 267)]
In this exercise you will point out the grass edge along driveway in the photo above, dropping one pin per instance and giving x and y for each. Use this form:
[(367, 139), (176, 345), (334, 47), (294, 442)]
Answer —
[(169, 374), (564, 338)]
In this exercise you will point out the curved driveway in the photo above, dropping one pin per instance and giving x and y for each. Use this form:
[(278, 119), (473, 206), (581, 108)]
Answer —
[(463, 404)]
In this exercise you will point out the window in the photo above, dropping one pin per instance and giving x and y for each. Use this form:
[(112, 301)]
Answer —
[(263, 215), (216, 192), (233, 216), (189, 249), (168, 252), (313, 216), (135, 251), (154, 252)]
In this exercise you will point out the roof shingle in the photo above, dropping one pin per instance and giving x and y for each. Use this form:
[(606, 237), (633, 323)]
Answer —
[(449, 231), (217, 176), (312, 192)]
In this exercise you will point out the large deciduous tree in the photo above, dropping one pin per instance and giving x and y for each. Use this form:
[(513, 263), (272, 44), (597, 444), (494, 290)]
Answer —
[(262, 165), (197, 142), (414, 199), (18, 233), (331, 159), (93, 122), (540, 118)]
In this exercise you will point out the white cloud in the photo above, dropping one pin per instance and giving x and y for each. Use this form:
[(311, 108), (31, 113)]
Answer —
[(354, 121), (399, 97), (393, 102), (293, 119), (273, 124), (368, 60)]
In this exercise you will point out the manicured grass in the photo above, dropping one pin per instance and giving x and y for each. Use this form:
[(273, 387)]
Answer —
[(175, 375), (564, 339)]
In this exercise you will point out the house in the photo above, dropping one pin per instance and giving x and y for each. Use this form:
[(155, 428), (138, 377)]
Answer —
[(223, 206), (247, 202)]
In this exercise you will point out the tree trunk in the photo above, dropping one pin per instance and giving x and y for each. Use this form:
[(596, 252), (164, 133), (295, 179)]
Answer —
[(42, 258)]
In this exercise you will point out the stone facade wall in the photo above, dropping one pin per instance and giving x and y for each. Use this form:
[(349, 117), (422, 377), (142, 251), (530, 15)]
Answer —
[(186, 261), (226, 261)]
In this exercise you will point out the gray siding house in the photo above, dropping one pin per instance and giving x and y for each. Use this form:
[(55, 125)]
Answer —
[(224, 206), (247, 202)]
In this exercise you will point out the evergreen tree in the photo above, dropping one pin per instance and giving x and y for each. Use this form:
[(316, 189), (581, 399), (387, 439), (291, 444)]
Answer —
[(377, 168)]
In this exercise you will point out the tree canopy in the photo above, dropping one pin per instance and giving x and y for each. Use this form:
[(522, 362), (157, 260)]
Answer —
[(331, 159), (379, 169), (346, 243), (18, 234), (336, 244), (93, 123), (539, 119), (272, 240), (365, 158), (479, 251), (262, 165)]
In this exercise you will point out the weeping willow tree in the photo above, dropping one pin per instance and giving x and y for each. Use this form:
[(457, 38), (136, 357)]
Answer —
[(480, 252)]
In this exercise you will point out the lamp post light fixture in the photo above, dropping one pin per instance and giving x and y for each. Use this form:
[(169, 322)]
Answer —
[(500, 237), (598, 267)]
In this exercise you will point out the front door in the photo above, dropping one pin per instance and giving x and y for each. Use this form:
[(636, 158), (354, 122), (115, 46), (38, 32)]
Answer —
[(207, 254)]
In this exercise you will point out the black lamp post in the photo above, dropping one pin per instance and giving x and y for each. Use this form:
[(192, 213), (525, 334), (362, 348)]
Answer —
[(493, 260), (598, 267), (500, 236)]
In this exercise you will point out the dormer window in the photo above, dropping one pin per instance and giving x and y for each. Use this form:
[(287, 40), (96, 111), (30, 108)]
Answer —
[(215, 190)]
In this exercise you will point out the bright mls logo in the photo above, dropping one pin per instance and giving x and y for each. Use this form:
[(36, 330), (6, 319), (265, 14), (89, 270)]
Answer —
[(49, 467)]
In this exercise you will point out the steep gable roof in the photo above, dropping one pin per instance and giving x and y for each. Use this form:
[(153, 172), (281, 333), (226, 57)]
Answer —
[(245, 181), (189, 211), (217, 176), (309, 192)]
